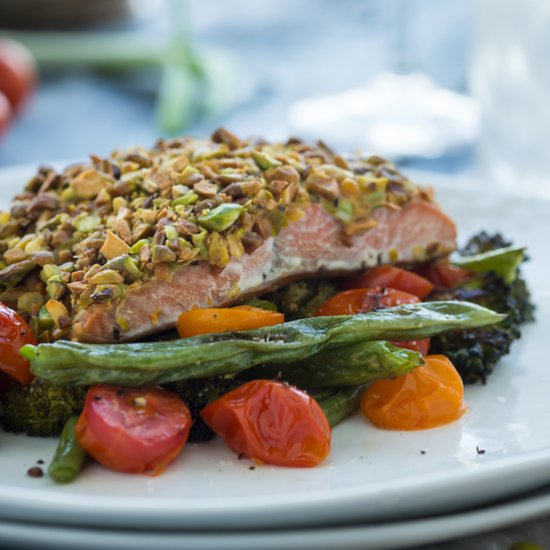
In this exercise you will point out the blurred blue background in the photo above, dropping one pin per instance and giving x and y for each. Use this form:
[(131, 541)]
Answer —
[(264, 56)]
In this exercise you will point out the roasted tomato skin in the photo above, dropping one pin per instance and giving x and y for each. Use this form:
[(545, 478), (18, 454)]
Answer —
[(272, 423), (211, 320), (136, 431), (392, 277), (445, 275), (432, 395), (14, 334), (362, 300)]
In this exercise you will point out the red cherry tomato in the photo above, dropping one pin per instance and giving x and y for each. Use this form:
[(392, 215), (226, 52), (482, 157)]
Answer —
[(5, 114), (445, 275), (361, 300), (429, 396), (138, 431), (18, 73), (14, 334), (271, 422), (393, 277)]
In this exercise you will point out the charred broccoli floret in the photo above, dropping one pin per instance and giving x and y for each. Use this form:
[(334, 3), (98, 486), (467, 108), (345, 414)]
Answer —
[(197, 394), (475, 352), (40, 408), (302, 298), (484, 242)]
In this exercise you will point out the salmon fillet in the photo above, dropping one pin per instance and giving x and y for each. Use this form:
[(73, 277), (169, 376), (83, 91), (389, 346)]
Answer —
[(117, 248), (417, 232)]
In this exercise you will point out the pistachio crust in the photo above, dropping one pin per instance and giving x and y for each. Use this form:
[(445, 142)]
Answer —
[(87, 233)]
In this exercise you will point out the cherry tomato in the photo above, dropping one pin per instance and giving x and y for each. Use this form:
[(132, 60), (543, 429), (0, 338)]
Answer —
[(139, 431), (14, 334), (5, 114), (429, 396), (445, 275), (271, 422), (210, 320), (393, 277), (361, 300), (18, 73)]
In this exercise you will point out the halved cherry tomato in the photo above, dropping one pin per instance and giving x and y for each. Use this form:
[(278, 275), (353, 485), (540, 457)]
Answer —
[(445, 275), (210, 320), (14, 334), (138, 431), (17, 72), (361, 300), (429, 396), (393, 277), (271, 422)]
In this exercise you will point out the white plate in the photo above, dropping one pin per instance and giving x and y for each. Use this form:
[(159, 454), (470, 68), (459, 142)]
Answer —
[(392, 535), (371, 474)]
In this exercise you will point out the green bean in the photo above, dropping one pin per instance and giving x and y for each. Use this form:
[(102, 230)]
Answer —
[(341, 404), (344, 366), (143, 364), (69, 455)]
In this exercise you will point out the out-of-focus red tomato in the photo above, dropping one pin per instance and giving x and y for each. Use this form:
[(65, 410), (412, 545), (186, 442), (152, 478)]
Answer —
[(5, 114), (18, 74), (14, 334)]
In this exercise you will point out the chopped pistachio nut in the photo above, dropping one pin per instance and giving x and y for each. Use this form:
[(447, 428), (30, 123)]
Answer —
[(221, 217), (57, 310), (114, 246)]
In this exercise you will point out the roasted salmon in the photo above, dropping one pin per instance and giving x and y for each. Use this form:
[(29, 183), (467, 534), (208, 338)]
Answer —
[(117, 248)]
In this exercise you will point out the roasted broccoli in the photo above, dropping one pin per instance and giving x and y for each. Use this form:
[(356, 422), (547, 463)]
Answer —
[(197, 394), (475, 352), (302, 299), (40, 408)]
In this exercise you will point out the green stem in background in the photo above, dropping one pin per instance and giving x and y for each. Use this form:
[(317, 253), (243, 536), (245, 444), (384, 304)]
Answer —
[(151, 363), (503, 261), (69, 455), (341, 404)]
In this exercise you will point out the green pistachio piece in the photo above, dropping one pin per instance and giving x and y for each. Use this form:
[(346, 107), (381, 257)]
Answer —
[(162, 254), (344, 211), (188, 198), (136, 247), (106, 277), (126, 266), (49, 271), (264, 161), (45, 320), (171, 232), (86, 222), (14, 273), (30, 301), (221, 217), (199, 241), (55, 288)]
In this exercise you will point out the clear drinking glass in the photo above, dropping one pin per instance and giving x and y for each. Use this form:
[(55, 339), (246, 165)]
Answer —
[(510, 77)]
